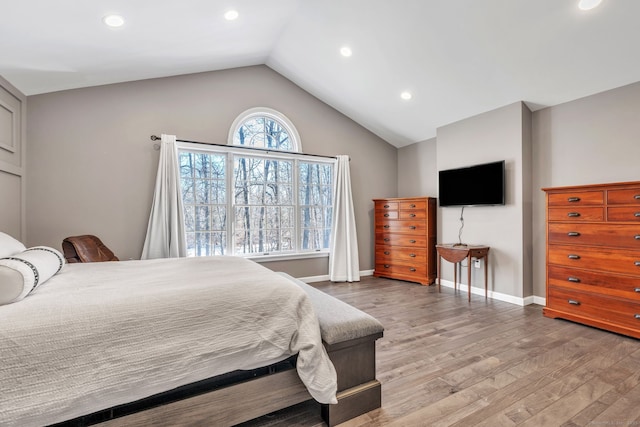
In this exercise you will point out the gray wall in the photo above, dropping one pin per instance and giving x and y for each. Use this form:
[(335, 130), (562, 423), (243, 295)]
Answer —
[(92, 166), (492, 136), (587, 141), (417, 171)]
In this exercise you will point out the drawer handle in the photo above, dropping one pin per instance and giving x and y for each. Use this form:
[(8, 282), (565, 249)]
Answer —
[(412, 255), (573, 214), (386, 215), (574, 199), (386, 206), (637, 197), (412, 215), (413, 227), (412, 205), (572, 256), (574, 279), (386, 239), (637, 237), (412, 241), (637, 263), (636, 290), (386, 252), (573, 234), (573, 302), (637, 316), (637, 214), (387, 266), (412, 269), (386, 226)]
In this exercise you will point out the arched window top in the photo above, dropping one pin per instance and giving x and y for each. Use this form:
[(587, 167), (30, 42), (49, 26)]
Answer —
[(263, 127)]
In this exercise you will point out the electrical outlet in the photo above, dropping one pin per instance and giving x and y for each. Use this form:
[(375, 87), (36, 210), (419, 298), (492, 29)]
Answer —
[(476, 263)]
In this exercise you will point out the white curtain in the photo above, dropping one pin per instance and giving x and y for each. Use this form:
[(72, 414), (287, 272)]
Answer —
[(343, 259), (165, 232)]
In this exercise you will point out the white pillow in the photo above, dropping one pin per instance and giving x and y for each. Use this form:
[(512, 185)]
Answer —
[(22, 273), (9, 246)]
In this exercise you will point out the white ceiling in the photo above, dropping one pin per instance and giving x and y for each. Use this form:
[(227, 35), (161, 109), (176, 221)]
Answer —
[(459, 58)]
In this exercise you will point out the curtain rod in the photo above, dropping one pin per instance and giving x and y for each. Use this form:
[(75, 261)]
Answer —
[(244, 147)]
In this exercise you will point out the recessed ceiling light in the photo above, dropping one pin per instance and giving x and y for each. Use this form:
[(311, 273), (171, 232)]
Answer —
[(346, 51), (113, 21), (231, 15), (406, 95), (588, 4)]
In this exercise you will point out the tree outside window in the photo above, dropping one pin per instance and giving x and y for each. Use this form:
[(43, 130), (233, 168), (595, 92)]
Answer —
[(280, 203)]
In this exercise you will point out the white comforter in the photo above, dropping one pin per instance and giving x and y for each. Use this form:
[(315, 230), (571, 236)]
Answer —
[(102, 334)]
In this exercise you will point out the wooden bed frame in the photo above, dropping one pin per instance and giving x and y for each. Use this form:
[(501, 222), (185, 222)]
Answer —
[(269, 389)]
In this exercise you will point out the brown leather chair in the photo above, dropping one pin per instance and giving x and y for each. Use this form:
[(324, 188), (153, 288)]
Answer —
[(86, 248)]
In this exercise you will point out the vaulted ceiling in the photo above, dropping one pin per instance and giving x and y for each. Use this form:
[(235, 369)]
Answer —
[(457, 58)]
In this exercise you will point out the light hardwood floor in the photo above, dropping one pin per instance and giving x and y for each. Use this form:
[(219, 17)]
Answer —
[(446, 362)]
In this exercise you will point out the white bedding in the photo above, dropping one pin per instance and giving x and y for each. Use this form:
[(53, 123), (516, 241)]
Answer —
[(102, 334)]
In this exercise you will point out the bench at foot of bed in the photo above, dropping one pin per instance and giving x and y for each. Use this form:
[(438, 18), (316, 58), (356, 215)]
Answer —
[(349, 335)]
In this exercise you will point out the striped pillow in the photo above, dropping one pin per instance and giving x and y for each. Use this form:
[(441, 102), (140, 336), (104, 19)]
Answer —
[(22, 273)]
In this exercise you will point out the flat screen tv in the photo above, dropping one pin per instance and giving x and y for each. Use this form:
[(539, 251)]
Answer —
[(477, 185)]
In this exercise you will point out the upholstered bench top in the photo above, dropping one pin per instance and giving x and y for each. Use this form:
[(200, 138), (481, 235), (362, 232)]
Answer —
[(338, 320)]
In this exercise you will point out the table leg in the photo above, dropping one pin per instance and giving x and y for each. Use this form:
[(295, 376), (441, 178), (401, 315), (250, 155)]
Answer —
[(486, 258), (469, 275), (439, 276), (455, 277)]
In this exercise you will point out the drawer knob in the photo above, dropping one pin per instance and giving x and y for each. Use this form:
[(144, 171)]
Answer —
[(412, 255), (637, 316), (637, 197), (412, 241), (573, 234), (386, 226), (636, 290), (412, 215), (412, 205), (412, 269), (574, 279), (386, 215), (387, 266), (573, 256), (637, 237), (573, 214), (573, 302), (637, 263), (637, 214), (413, 227), (386, 206), (386, 252), (573, 199), (386, 239)]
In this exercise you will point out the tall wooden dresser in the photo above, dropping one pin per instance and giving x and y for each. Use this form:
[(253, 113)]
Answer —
[(593, 255), (405, 234)]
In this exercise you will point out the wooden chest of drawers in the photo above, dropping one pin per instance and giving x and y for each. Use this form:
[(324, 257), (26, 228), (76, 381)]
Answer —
[(405, 236), (593, 255)]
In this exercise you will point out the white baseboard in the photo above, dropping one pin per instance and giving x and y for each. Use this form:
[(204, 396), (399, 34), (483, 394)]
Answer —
[(539, 300), (497, 295), (325, 277), (449, 284)]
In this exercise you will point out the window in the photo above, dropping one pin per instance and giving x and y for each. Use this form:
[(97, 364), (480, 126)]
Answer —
[(256, 203)]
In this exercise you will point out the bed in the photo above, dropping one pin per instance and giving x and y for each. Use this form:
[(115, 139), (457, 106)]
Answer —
[(99, 335)]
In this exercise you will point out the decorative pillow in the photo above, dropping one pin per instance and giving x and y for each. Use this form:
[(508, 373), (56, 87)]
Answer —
[(9, 246), (22, 273)]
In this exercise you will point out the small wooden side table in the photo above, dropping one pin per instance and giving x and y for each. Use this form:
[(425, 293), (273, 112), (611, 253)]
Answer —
[(455, 253)]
